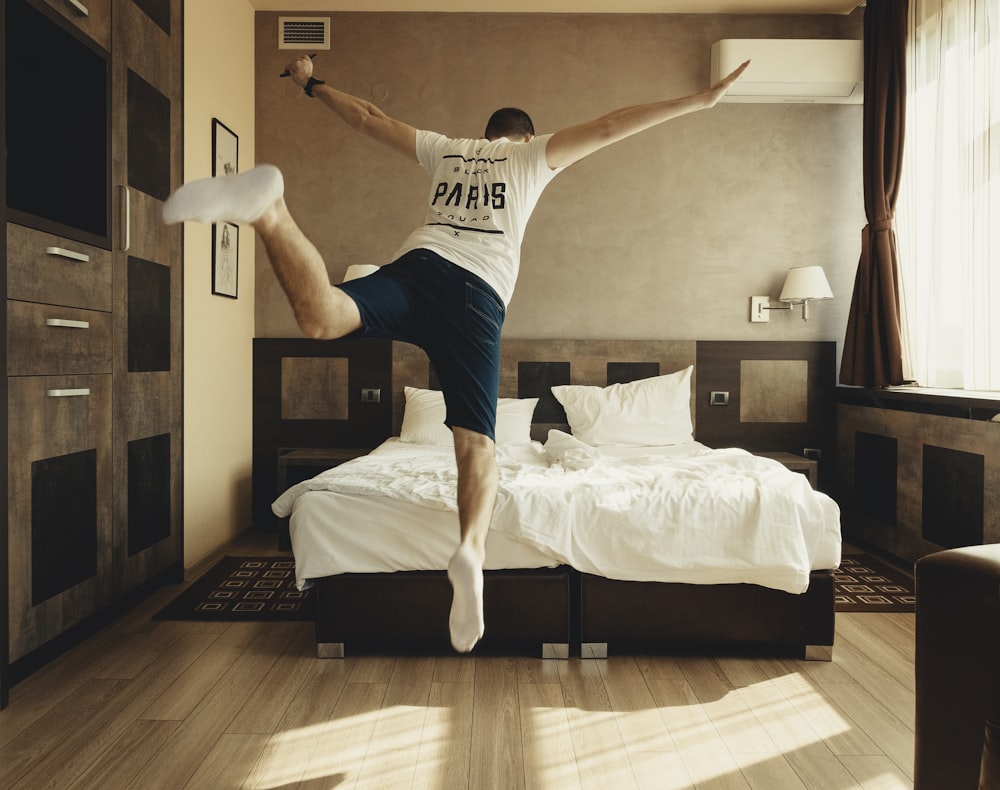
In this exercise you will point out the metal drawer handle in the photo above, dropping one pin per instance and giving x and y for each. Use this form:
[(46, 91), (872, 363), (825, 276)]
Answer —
[(65, 322), (73, 256), (72, 393), (80, 7)]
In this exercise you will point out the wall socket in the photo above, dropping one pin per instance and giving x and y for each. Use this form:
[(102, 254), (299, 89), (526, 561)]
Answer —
[(812, 452), (371, 395)]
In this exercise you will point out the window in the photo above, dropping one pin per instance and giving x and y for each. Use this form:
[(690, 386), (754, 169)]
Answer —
[(948, 217)]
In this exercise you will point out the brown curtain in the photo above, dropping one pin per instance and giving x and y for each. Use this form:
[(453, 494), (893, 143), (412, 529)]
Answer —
[(873, 355)]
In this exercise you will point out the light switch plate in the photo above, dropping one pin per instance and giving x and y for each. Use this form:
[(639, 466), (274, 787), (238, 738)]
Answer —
[(758, 309)]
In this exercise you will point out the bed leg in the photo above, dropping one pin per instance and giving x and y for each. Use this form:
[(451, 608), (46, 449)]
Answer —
[(329, 650), (819, 653), (558, 650), (594, 650)]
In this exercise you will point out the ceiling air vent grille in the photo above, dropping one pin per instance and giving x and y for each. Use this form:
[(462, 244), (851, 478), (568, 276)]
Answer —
[(303, 32)]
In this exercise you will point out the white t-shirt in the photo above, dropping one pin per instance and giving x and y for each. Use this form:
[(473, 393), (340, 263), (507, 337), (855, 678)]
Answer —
[(482, 194)]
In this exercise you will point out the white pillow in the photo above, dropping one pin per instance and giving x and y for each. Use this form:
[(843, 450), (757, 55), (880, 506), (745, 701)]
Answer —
[(514, 420), (648, 412), (424, 415)]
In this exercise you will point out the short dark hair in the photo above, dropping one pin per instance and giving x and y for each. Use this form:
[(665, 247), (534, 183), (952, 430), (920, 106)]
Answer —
[(509, 122)]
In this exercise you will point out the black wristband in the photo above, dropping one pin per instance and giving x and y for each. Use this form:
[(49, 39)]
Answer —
[(311, 84)]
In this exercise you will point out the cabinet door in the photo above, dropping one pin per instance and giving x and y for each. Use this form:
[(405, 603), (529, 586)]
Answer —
[(59, 504), (147, 161)]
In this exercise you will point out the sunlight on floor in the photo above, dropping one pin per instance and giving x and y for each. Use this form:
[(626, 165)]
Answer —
[(341, 750), (751, 729)]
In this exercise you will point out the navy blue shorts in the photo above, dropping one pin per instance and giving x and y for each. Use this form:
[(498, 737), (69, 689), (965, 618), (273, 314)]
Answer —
[(453, 315)]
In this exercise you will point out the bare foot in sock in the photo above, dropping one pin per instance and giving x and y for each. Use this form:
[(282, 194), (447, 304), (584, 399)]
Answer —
[(239, 198), (465, 572)]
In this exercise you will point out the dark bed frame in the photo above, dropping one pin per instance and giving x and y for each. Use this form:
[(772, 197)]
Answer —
[(780, 397), (561, 613)]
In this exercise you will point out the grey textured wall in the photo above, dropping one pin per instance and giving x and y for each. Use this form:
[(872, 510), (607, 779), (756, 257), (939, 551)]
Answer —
[(665, 235)]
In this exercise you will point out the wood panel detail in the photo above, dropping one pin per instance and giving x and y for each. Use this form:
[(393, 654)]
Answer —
[(535, 380), (149, 492), (148, 138), (952, 513), (876, 461), (369, 365), (149, 324), (64, 524), (937, 477), (624, 372), (791, 388), (158, 11), (774, 390), (314, 388)]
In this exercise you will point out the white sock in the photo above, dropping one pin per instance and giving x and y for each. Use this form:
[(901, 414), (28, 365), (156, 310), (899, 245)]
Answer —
[(465, 573), (239, 198)]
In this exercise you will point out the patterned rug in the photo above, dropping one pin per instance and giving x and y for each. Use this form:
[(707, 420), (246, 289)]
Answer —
[(866, 584), (263, 588), (243, 588)]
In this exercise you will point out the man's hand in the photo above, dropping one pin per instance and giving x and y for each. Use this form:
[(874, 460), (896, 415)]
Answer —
[(718, 90), (300, 70), (359, 114)]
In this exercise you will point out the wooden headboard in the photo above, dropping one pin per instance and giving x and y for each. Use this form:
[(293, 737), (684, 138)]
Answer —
[(308, 393), (529, 368)]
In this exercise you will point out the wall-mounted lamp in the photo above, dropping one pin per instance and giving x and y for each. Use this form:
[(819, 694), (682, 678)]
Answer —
[(356, 270), (802, 285)]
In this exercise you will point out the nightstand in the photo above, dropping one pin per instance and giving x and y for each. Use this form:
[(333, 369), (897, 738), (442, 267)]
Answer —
[(797, 463), (304, 463)]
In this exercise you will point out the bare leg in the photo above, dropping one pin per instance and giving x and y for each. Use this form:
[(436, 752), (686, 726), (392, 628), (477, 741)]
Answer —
[(322, 310), (478, 479), (257, 197)]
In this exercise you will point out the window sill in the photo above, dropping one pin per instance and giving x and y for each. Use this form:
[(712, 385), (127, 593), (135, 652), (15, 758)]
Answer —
[(963, 404)]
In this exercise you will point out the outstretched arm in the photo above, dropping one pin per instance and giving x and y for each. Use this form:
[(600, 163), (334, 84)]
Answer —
[(576, 142), (357, 113)]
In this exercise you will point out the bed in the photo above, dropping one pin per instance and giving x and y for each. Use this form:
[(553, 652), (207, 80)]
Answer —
[(614, 530)]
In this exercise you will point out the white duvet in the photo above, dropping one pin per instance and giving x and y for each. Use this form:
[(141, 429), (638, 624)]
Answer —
[(680, 514)]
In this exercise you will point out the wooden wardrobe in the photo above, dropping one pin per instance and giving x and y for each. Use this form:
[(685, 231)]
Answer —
[(92, 483)]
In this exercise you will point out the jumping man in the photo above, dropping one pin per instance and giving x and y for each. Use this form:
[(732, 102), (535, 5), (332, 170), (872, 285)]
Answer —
[(450, 282)]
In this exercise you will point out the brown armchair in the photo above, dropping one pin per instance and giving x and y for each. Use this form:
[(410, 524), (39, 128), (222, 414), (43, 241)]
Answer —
[(957, 664)]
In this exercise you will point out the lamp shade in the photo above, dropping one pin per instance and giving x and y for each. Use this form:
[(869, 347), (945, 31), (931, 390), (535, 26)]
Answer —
[(804, 283), (356, 270)]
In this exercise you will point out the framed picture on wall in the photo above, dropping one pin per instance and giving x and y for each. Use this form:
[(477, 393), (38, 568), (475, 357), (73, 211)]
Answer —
[(225, 235), (225, 149), (225, 258)]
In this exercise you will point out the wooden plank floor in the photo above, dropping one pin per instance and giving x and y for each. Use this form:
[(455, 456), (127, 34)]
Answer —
[(156, 704)]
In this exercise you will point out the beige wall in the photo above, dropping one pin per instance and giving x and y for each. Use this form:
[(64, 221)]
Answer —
[(218, 65), (666, 235)]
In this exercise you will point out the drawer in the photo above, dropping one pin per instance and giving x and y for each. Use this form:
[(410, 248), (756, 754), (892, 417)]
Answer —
[(93, 17), (46, 340), (46, 268), (52, 416)]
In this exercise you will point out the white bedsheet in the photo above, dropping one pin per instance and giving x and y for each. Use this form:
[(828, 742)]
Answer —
[(680, 514), (348, 521)]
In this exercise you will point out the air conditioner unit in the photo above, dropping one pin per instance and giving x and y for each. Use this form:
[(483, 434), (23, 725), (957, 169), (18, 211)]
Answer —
[(808, 71)]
